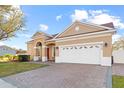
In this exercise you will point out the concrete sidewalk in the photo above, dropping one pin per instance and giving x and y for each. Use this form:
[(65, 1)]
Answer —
[(4, 84)]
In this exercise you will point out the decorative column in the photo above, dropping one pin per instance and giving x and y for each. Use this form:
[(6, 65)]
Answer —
[(36, 58), (44, 56)]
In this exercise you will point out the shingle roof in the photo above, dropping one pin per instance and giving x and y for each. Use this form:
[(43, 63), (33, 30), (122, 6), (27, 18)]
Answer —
[(8, 47), (111, 25), (55, 35)]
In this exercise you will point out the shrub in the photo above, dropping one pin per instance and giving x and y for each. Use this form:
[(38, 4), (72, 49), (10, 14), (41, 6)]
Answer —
[(9, 57), (23, 58), (15, 58), (1, 57)]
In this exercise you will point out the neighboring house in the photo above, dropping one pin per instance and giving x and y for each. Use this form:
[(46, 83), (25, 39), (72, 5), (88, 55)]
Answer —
[(7, 50), (84, 43), (21, 52)]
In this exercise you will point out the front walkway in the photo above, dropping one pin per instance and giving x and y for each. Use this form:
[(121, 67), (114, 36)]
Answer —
[(63, 76), (4, 84)]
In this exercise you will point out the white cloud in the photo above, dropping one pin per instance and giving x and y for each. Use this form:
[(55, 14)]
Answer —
[(115, 37), (79, 15), (1, 43), (97, 17), (96, 12), (16, 47), (105, 18), (43, 27), (58, 17)]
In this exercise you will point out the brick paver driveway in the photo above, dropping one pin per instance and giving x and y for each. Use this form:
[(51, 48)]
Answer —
[(118, 69), (62, 76)]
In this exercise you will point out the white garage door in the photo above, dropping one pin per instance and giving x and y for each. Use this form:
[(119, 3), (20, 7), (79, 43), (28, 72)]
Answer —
[(87, 54)]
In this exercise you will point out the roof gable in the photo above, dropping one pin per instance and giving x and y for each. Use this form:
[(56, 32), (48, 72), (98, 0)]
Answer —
[(36, 34), (41, 35), (83, 28)]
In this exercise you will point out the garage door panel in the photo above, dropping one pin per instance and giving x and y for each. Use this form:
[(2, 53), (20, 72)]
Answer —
[(80, 54)]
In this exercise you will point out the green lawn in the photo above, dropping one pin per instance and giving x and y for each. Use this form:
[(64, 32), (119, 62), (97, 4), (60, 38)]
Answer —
[(13, 68), (117, 81)]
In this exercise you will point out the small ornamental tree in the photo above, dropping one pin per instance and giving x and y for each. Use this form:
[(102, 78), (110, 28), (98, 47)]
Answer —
[(11, 21), (119, 44)]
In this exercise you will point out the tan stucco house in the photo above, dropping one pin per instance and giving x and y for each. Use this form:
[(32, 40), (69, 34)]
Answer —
[(81, 42)]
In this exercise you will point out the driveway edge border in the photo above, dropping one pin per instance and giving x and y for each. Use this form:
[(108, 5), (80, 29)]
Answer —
[(109, 78)]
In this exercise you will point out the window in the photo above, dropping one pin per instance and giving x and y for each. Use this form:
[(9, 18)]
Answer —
[(67, 48), (91, 46), (80, 47), (97, 46), (75, 47)]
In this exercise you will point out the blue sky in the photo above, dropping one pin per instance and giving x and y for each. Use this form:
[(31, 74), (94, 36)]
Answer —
[(54, 19)]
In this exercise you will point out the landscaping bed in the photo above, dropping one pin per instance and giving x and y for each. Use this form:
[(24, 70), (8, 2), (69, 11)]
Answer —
[(10, 68)]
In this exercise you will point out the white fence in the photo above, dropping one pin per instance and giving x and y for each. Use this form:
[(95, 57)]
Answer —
[(118, 56)]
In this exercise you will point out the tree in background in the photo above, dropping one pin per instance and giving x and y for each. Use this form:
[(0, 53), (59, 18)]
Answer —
[(11, 21), (119, 44)]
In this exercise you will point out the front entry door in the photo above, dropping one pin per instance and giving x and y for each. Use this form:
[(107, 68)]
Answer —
[(48, 53)]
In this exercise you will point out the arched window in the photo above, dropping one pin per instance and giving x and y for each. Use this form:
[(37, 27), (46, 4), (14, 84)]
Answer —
[(38, 49)]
